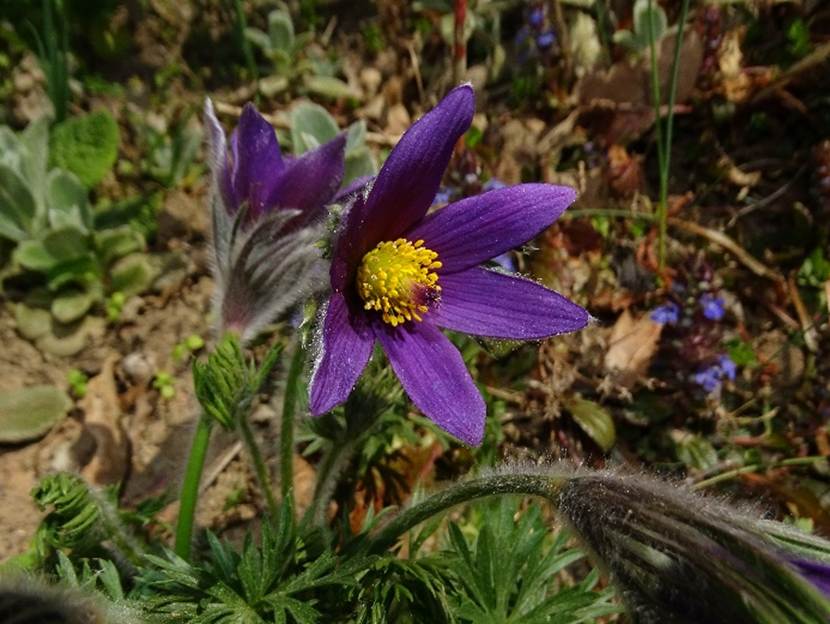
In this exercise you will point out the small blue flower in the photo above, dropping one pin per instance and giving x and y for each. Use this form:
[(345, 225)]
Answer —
[(443, 196), (713, 307), (536, 16), (546, 39), (666, 314), (709, 378), (727, 367), (507, 262), (493, 184)]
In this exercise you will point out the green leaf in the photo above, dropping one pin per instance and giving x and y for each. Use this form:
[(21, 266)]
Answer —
[(118, 242), (18, 208), (133, 274), (281, 31), (358, 164), (330, 87), (33, 255), (695, 451), (312, 120), (66, 195), (643, 14), (87, 146), (29, 413), (594, 420), (32, 322), (70, 307), (35, 156)]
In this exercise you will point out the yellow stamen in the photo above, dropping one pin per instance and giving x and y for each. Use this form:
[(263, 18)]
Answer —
[(397, 279)]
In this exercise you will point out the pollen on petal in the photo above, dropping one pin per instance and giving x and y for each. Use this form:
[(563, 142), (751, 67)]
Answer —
[(397, 278)]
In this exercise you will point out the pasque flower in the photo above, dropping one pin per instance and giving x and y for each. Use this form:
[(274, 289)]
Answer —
[(398, 275), (266, 211)]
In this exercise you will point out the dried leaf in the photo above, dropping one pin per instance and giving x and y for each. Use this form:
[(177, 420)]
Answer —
[(633, 344)]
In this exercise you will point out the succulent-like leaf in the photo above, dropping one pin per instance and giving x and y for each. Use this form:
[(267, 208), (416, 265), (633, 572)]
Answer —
[(66, 195), (72, 306), (29, 413), (87, 146), (594, 420), (311, 120), (18, 206), (281, 31), (330, 87), (133, 274)]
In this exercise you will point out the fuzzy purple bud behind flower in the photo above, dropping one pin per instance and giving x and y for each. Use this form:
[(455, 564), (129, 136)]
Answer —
[(398, 275), (266, 211)]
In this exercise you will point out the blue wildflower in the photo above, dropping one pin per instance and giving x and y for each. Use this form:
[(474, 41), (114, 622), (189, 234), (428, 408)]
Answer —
[(709, 378), (727, 367), (546, 39), (666, 314), (712, 306), (493, 184), (443, 196), (536, 16)]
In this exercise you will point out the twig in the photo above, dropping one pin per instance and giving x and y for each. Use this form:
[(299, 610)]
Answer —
[(459, 66), (719, 238), (416, 69), (736, 472), (219, 466), (816, 57), (808, 328), (562, 33)]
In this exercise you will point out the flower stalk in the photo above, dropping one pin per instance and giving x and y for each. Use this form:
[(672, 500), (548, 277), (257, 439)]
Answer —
[(260, 468), (190, 486), (289, 409)]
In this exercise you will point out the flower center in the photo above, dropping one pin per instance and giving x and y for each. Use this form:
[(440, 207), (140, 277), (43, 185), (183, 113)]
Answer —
[(397, 280)]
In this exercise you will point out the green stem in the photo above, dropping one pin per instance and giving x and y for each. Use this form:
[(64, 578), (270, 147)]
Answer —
[(289, 409), (662, 204), (731, 474), (190, 486), (530, 483), (328, 472), (242, 25), (664, 165), (260, 468)]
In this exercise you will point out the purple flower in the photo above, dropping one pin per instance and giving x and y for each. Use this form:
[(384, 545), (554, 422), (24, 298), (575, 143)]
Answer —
[(536, 16), (712, 307), (816, 572), (666, 314), (709, 378), (398, 275), (546, 39), (442, 196), (266, 210), (492, 184), (728, 368)]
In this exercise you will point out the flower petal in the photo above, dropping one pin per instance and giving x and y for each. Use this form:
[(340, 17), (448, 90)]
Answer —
[(472, 230), (309, 182), (347, 342), (433, 374), (407, 182), (486, 303), (258, 162)]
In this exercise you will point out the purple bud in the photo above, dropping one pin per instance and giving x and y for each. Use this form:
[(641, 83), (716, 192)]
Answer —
[(815, 572), (713, 307), (536, 16), (666, 314)]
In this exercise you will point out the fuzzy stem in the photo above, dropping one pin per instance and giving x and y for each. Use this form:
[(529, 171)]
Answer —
[(289, 408), (260, 468), (328, 473), (529, 483), (459, 67), (190, 486)]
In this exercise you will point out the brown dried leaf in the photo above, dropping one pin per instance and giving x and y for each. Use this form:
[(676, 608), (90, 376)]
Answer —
[(633, 344), (102, 420)]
